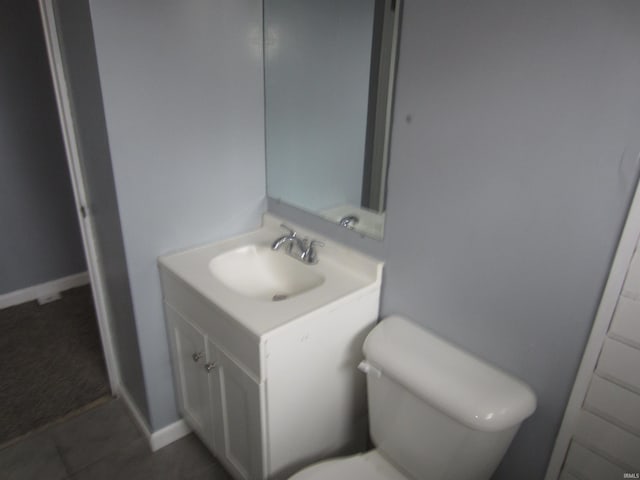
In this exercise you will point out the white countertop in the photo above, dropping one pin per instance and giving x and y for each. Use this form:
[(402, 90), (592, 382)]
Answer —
[(346, 272)]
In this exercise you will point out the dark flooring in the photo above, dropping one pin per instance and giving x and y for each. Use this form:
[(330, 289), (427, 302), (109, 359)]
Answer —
[(51, 362), (104, 444)]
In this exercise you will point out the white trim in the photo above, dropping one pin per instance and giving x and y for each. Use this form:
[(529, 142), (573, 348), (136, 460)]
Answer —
[(161, 438), (74, 161), (613, 289), (43, 289), (169, 434)]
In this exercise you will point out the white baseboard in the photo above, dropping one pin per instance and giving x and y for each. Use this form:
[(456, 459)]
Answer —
[(43, 289), (161, 438), (169, 434)]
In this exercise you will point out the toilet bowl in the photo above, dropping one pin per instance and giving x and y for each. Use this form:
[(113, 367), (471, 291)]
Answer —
[(436, 412), (366, 466)]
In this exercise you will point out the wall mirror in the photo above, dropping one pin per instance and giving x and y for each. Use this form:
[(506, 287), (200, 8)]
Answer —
[(329, 71)]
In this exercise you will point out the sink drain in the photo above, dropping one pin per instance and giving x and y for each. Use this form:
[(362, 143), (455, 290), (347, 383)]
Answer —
[(279, 296)]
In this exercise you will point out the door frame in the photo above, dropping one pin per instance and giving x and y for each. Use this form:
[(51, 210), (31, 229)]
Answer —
[(608, 302), (74, 163)]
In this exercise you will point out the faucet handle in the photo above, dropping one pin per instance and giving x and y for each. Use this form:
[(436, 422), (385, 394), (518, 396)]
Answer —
[(291, 231), (309, 255)]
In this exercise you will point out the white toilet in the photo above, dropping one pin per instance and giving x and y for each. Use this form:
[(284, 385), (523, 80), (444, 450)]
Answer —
[(435, 411)]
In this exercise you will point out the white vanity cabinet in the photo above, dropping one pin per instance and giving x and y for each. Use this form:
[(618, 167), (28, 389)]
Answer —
[(268, 406), (271, 385)]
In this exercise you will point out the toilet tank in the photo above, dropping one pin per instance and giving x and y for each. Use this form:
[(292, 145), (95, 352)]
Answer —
[(436, 411)]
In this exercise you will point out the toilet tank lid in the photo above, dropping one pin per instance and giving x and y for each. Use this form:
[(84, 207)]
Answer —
[(457, 383)]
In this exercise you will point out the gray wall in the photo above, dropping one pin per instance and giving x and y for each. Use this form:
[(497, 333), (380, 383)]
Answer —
[(73, 20), (318, 60), (40, 236), (514, 156), (183, 96)]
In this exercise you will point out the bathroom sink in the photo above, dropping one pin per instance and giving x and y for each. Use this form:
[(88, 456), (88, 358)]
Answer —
[(262, 289), (258, 272)]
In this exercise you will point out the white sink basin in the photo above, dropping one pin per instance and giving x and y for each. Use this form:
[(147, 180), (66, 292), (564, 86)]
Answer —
[(258, 272)]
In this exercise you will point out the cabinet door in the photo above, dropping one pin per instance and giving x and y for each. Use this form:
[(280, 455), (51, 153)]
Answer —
[(189, 352), (241, 420)]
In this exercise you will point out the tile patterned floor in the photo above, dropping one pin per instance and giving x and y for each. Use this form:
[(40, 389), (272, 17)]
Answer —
[(104, 444)]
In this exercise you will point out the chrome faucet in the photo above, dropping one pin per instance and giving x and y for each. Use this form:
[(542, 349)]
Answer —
[(304, 248), (290, 239), (349, 221)]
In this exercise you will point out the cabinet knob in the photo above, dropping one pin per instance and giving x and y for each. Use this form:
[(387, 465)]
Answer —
[(210, 366), (197, 356)]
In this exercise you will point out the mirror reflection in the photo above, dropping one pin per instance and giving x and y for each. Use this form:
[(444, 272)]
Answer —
[(329, 69)]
